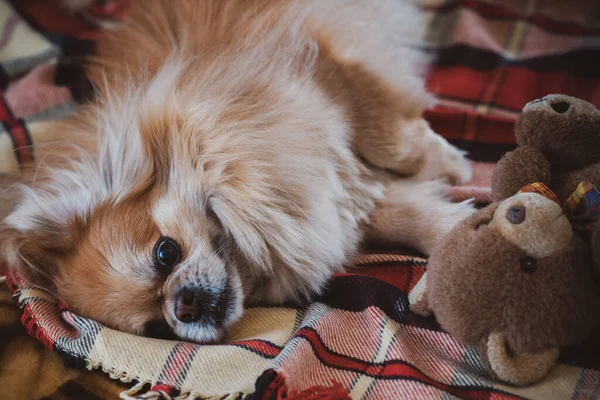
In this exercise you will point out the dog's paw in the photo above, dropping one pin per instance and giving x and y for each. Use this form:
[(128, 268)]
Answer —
[(416, 214), (453, 213), (446, 162), (104, 14)]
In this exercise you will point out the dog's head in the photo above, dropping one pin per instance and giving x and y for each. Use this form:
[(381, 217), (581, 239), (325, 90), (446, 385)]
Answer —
[(189, 205), (131, 264), (139, 233), (126, 239)]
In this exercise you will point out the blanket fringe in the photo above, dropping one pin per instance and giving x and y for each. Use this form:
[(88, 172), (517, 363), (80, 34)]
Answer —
[(144, 391), (141, 390)]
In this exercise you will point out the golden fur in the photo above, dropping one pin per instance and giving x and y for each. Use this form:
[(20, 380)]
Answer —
[(233, 127)]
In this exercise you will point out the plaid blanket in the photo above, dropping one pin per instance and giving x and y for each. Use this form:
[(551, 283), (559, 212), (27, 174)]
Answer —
[(359, 340)]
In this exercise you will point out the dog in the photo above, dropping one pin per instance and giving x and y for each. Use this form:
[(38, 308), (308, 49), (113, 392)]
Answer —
[(105, 14), (237, 152)]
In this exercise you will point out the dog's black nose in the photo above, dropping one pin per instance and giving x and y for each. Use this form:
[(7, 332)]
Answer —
[(196, 304), (516, 214)]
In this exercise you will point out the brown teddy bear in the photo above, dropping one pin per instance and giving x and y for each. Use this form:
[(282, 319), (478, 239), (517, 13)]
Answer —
[(559, 145), (517, 279)]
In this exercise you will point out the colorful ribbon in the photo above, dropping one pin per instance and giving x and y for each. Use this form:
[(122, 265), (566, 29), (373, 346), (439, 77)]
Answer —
[(582, 207)]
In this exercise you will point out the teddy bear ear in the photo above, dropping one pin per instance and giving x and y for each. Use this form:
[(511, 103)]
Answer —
[(517, 369), (417, 298)]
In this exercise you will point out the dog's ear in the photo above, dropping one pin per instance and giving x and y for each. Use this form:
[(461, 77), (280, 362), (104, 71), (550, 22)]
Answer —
[(34, 254)]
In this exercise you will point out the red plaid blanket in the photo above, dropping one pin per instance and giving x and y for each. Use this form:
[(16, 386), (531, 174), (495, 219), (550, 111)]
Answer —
[(359, 340)]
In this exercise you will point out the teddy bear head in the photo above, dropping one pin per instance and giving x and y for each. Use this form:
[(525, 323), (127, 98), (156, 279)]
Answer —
[(516, 282), (565, 129)]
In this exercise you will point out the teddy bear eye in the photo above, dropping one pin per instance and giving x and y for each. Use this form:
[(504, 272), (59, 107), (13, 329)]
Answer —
[(528, 265)]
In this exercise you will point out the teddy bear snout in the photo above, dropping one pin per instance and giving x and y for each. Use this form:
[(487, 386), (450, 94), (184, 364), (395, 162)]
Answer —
[(516, 214), (533, 223), (555, 103), (560, 107)]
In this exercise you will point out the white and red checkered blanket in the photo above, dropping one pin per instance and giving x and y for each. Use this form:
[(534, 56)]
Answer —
[(359, 340)]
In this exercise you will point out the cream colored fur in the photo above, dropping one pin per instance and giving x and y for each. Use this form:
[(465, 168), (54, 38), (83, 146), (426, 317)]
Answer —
[(545, 230), (233, 126)]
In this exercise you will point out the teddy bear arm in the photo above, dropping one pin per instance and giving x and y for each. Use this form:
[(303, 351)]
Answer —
[(517, 169)]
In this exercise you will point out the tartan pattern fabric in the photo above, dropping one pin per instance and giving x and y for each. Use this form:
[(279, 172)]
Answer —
[(540, 188), (584, 203), (582, 207), (358, 340), (493, 57), (368, 343)]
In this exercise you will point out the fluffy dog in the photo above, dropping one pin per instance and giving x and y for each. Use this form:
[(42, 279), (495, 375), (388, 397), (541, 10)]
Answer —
[(101, 13), (230, 158)]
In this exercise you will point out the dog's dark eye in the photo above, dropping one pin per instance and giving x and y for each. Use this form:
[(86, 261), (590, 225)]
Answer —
[(528, 265), (167, 253)]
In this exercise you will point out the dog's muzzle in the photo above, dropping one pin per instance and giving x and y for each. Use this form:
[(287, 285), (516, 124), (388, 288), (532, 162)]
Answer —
[(197, 304)]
